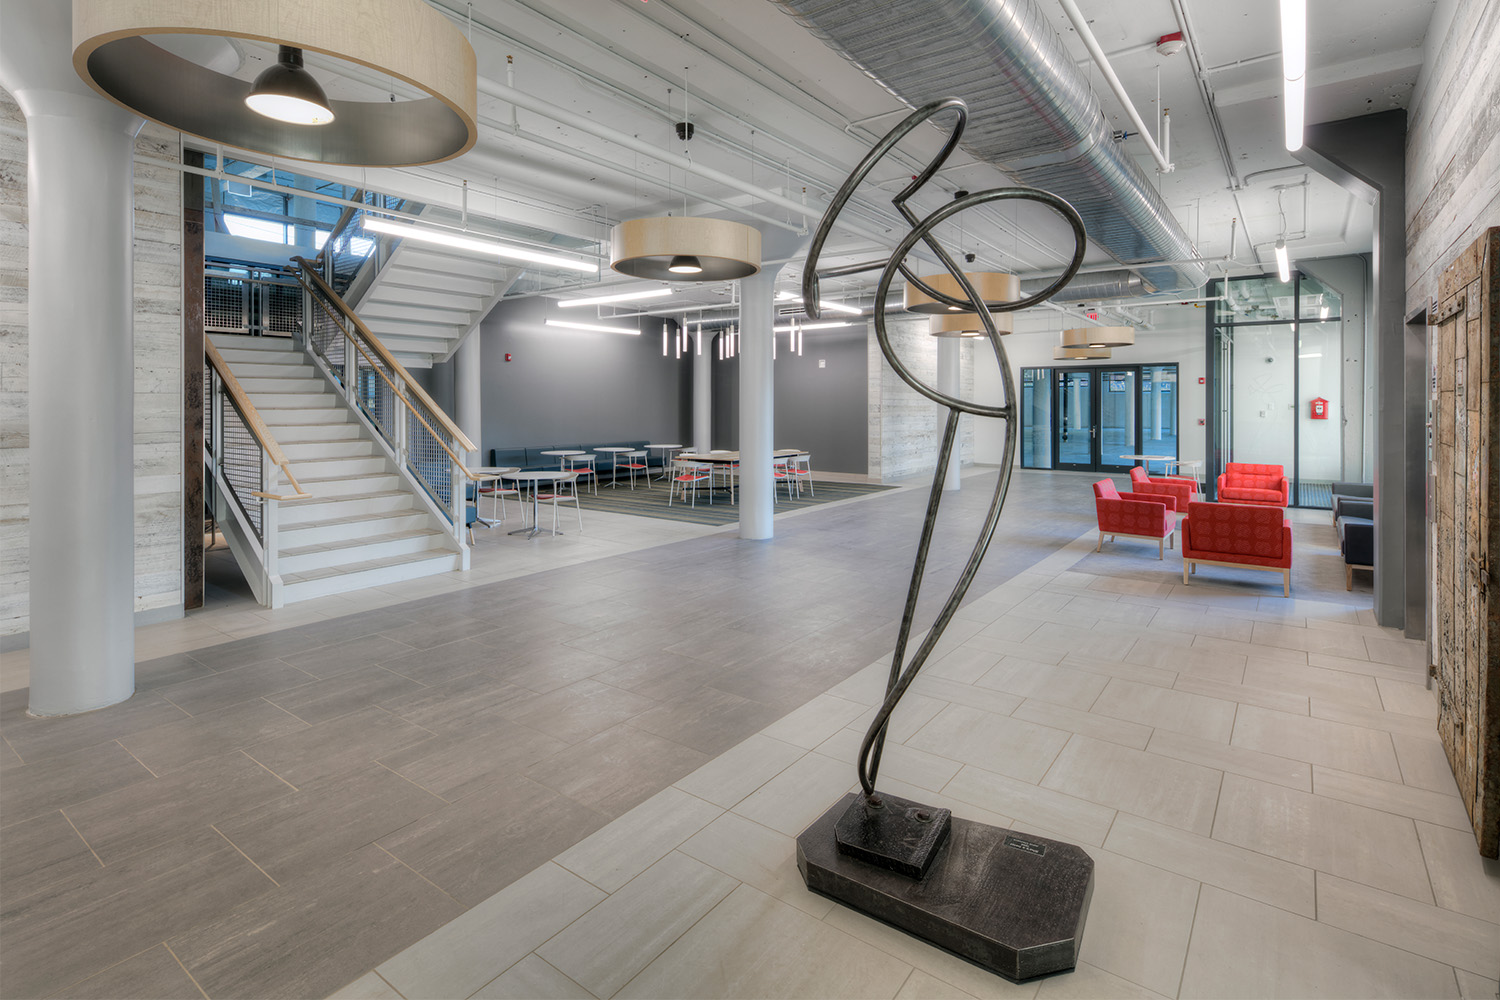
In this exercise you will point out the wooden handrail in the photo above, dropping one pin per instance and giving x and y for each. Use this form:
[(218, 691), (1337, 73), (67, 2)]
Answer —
[(309, 269), (396, 392), (253, 423)]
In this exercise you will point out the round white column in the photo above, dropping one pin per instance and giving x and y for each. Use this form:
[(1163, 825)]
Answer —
[(468, 383), (947, 383), (81, 369), (757, 413), (703, 392)]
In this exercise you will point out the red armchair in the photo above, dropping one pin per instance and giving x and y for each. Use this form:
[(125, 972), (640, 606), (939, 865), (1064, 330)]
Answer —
[(1246, 482), (1231, 534), (1152, 519), (1181, 491)]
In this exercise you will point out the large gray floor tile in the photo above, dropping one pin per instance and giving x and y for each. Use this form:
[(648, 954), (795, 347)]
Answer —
[(30, 790), (81, 926), (453, 767), (309, 938), (617, 769), (121, 823), (210, 734), (35, 740), (337, 747), (154, 974), (230, 687), (40, 852), (478, 845)]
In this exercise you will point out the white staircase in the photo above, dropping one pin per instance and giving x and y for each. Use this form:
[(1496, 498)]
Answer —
[(424, 301), (363, 525)]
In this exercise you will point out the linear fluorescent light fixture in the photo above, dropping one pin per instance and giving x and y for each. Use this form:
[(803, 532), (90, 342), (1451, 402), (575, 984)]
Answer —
[(1294, 68), (837, 307), (593, 327), (810, 326), (1283, 261), (599, 300), (424, 235)]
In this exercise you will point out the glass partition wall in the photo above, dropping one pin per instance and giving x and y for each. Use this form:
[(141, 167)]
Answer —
[(1275, 374)]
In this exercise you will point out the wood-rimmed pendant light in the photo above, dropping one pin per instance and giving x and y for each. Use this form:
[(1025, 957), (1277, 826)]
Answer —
[(685, 248), (994, 288), (1099, 336), (967, 324), (404, 39), (1079, 353)]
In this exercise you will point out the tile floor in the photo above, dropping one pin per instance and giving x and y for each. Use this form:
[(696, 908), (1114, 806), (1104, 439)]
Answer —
[(583, 780)]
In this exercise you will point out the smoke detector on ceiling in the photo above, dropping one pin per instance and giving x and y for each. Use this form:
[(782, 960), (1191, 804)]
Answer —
[(1170, 45)]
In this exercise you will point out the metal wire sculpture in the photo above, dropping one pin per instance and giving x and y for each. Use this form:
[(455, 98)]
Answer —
[(900, 679)]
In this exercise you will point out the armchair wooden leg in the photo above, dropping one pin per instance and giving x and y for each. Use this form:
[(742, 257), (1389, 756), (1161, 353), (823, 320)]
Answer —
[(1286, 583), (1348, 577), (1185, 565), (1100, 546), (1161, 549)]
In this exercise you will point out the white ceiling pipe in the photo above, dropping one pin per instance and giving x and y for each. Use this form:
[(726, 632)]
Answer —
[(1081, 25), (813, 210)]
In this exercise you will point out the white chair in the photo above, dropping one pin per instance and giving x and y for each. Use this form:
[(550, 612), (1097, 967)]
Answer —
[(781, 474), (636, 461), (583, 465), (694, 474), (800, 469), (562, 490), (497, 491)]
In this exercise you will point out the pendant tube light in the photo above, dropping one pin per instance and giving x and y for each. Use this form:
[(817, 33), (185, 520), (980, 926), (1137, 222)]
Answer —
[(599, 300), (592, 327), (1099, 336), (700, 338), (461, 241), (1283, 261), (1293, 69), (683, 248)]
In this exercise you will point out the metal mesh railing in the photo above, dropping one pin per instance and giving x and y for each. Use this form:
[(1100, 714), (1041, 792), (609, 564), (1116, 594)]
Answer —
[(350, 246), (258, 301), (240, 462), (422, 437), (225, 304), (280, 307)]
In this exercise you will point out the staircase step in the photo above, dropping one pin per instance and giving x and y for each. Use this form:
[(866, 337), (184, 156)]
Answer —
[(332, 529), (343, 551), (299, 400), (320, 508), (299, 370), (284, 416), (242, 342), (339, 465), (306, 448), (259, 385), (374, 573), (361, 484)]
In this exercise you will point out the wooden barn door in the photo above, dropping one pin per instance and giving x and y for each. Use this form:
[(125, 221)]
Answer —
[(1466, 632)]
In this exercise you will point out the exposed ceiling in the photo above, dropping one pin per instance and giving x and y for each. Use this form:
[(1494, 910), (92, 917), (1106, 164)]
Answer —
[(776, 111)]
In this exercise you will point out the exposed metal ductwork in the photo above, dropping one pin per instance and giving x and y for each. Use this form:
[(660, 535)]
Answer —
[(1092, 287), (1031, 112)]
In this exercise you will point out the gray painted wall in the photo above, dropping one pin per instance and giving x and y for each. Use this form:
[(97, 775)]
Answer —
[(577, 387), (820, 410)]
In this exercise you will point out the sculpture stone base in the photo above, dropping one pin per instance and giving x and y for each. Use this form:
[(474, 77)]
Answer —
[(1011, 903)]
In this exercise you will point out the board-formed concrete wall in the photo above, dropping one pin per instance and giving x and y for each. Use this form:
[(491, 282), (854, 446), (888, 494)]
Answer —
[(905, 426), (158, 379), (1452, 142)]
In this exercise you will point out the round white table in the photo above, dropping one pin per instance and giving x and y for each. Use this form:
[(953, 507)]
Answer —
[(532, 478), (666, 457), (562, 453), (489, 474), (613, 452)]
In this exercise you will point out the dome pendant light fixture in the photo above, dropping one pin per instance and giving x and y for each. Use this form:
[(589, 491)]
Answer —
[(685, 264), (288, 93)]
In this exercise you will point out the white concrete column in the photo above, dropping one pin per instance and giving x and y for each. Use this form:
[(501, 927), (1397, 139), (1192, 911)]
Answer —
[(703, 389), (757, 413), (81, 368), (468, 383), (1156, 406), (948, 358)]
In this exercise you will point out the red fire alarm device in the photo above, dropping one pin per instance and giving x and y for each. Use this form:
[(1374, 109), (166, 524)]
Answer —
[(507, 357), (1319, 409)]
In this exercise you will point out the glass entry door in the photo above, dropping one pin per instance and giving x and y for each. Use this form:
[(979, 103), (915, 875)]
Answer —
[(1097, 418), (1076, 430)]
